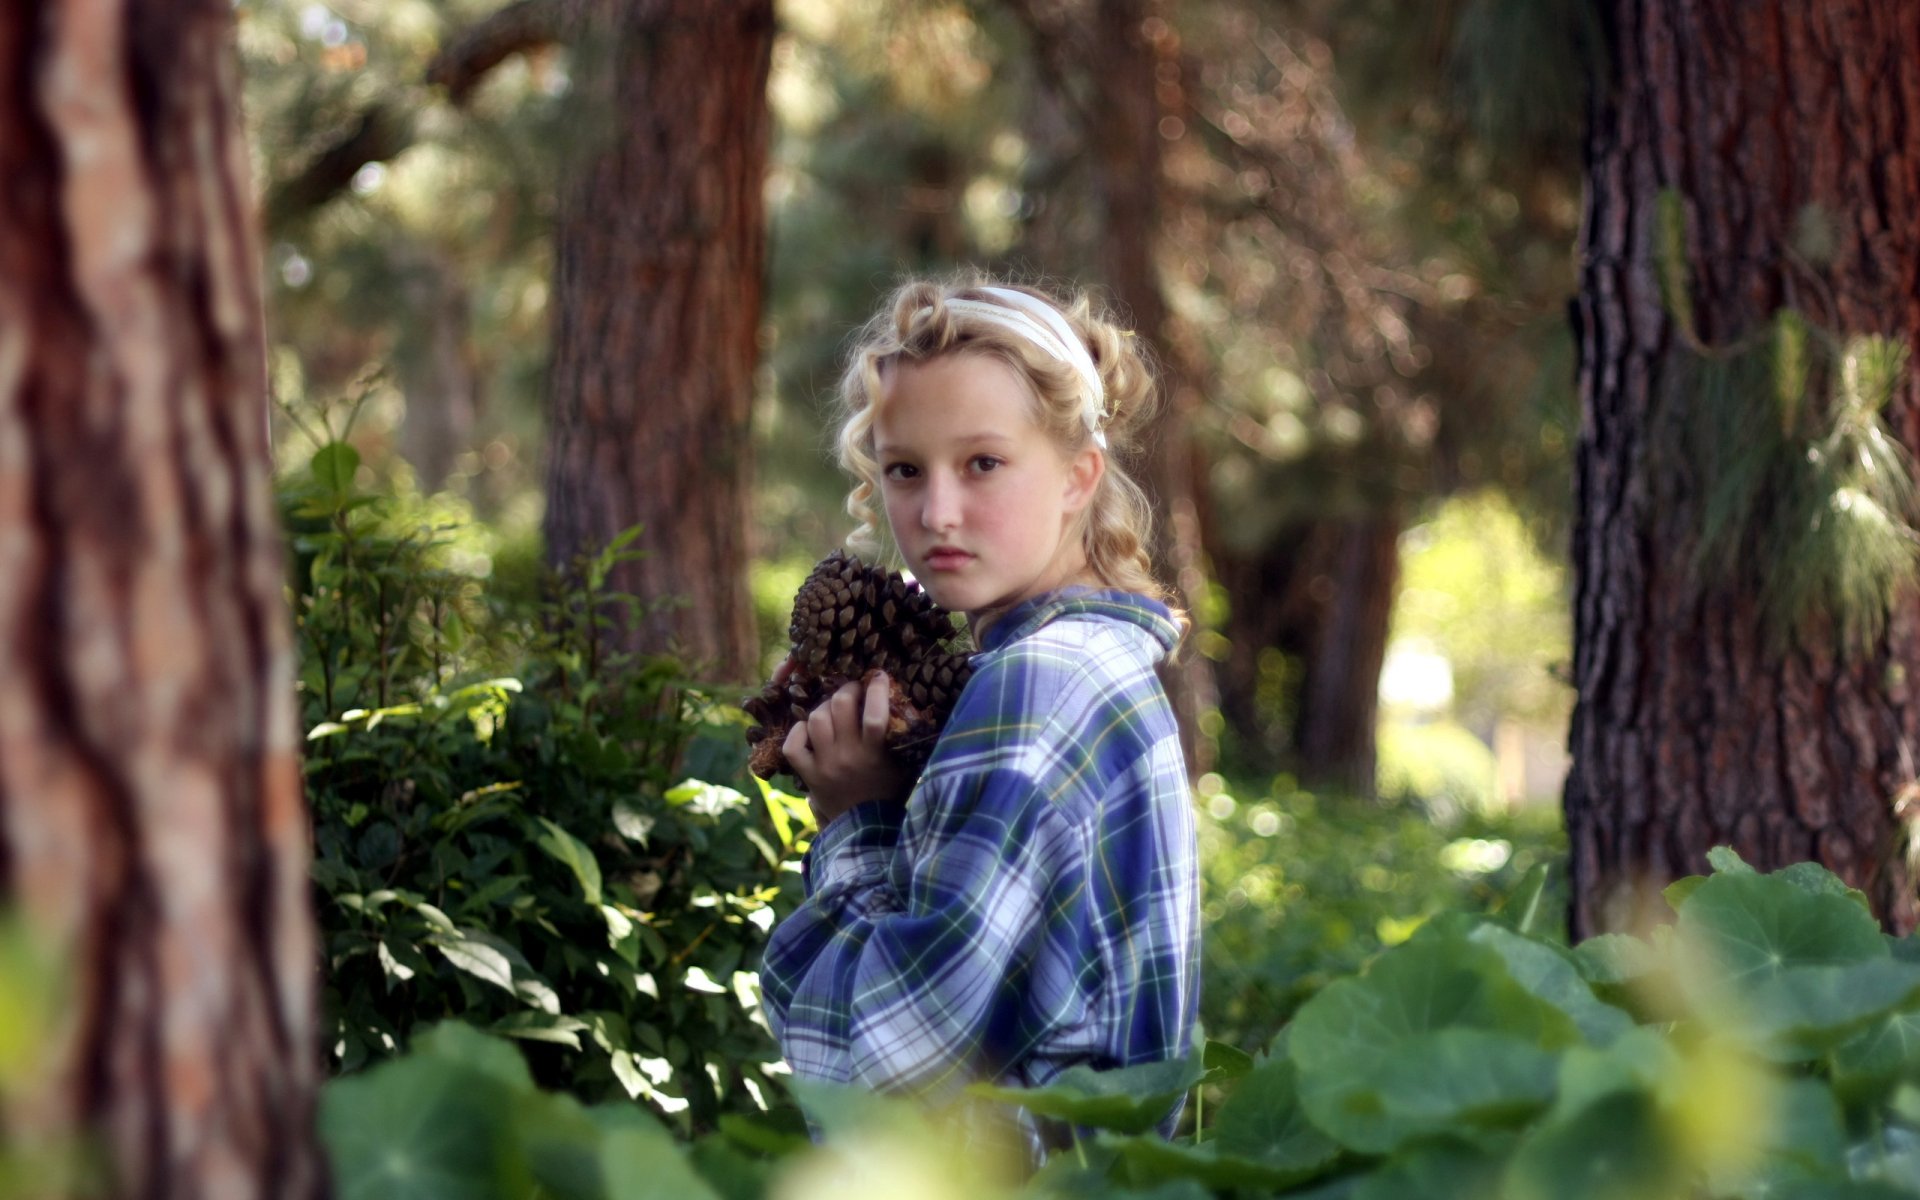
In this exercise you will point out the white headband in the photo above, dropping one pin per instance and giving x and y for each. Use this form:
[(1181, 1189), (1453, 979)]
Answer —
[(1040, 323)]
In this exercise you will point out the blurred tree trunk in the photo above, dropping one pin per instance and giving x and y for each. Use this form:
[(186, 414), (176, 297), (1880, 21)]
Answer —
[(151, 822), (1689, 729), (1117, 63), (659, 255), (434, 362), (1323, 597)]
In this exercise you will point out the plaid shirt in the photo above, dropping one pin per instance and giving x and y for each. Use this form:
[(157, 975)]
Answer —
[(1036, 903)]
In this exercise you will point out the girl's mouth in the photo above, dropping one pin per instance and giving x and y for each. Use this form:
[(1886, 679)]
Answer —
[(947, 560)]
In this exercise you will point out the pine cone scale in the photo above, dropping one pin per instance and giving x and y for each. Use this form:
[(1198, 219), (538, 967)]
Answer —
[(849, 621)]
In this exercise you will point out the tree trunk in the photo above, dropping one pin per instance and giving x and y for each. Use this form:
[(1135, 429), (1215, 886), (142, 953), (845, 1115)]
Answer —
[(659, 254), (1692, 727), (152, 830), (434, 363), (1322, 596)]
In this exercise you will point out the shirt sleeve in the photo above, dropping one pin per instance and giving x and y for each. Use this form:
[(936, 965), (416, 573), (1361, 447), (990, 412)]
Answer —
[(894, 972)]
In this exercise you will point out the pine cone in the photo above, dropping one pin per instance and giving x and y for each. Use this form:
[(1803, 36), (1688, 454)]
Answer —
[(850, 621)]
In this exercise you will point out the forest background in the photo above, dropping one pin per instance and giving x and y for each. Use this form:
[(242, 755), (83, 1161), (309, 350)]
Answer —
[(554, 299)]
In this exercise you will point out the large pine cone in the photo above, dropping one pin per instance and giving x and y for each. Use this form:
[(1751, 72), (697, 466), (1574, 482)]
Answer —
[(849, 621)]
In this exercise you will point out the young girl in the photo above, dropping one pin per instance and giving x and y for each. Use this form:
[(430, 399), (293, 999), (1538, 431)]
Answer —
[(1030, 902)]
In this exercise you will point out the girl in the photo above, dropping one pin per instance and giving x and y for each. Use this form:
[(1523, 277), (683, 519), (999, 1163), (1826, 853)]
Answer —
[(1030, 901)]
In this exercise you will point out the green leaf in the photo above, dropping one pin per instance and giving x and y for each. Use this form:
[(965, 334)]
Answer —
[(1615, 958), (1804, 1012), (423, 1128), (1224, 1062), (477, 959), (457, 1041), (766, 1133), (540, 1027), (400, 960), (1550, 973), (1263, 1120), (575, 854), (1522, 907), (1875, 1059), (1814, 879), (1803, 1141), (639, 1160), (1127, 1099), (1678, 892), (1443, 1170), (1757, 925), (1727, 861), (843, 1109), (1611, 1150), (1436, 1039), (333, 466), (1797, 971), (1152, 1159)]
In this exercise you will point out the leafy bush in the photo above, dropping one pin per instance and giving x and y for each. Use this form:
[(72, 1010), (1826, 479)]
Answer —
[(1300, 888), (1762, 1045), (499, 836)]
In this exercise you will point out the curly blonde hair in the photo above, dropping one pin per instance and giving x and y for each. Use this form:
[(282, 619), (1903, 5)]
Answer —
[(915, 324)]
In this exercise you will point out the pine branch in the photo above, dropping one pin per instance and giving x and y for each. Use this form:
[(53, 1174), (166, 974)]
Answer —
[(521, 26), (386, 127)]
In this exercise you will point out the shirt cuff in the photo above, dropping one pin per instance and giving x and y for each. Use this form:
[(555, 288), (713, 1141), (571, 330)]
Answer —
[(855, 847)]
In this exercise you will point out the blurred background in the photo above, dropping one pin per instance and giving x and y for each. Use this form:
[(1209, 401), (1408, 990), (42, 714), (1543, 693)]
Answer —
[(1349, 237)]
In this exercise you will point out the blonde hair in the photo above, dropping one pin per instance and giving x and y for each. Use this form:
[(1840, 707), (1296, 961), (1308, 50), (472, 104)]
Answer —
[(916, 325)]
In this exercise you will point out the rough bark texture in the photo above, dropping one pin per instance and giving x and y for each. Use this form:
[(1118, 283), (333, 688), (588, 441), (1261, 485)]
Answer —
[(1118, 62), (659, 254), (1689, 730), (151, 821), (1324, 597)]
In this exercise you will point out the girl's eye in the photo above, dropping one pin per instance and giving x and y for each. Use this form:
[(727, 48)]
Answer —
[(900, 471), (985, 463)]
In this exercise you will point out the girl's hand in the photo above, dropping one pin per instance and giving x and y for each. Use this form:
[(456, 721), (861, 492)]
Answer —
[(840, 752)]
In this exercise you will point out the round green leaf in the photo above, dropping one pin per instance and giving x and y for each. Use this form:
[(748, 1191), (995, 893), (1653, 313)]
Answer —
[(333, 466)]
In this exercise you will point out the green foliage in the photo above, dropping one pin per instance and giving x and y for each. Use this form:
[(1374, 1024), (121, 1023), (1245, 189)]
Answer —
[(1759, 1046), (1475, 586), (460, 1116), (34, 984), (1439, 764), (1807, 499), (498, 832), (1299, 889)]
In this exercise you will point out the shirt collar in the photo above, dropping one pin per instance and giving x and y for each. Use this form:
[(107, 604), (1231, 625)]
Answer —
[(1113, 603)]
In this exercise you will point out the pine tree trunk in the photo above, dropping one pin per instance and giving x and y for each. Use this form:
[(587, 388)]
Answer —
[(1340, 691), (1323, 596), (152, 829), (659, 255), (1690, 729)]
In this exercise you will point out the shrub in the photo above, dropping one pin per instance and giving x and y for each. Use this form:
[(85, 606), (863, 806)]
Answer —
[(1301, 888), (499, 835)]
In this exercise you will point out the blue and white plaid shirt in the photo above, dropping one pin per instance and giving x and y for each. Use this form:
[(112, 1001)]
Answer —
[(1036, 903)]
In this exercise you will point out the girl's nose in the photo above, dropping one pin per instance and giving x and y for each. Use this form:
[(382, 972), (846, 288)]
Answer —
[(942, 507)]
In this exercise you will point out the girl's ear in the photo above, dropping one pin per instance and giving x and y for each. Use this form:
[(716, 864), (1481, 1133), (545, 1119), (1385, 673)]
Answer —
[(1084, 472)]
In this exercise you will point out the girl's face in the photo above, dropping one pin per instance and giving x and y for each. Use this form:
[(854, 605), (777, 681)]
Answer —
[(980, 499)]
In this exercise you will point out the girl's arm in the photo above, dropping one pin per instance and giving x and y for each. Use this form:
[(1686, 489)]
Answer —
[(893, 974)]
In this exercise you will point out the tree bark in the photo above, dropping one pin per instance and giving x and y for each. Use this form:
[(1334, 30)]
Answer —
[(152, 830), (1692, 727), (1323, 596), (659, 255)]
